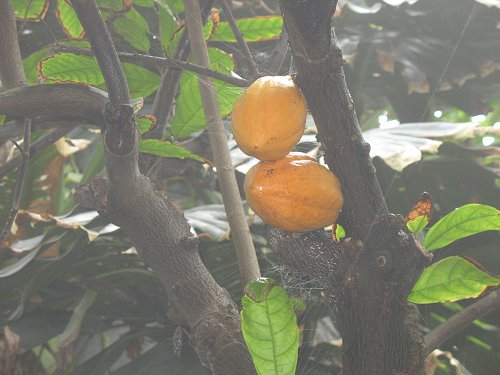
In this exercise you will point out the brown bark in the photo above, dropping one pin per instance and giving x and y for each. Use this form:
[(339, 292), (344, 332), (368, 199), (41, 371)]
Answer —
[(369, 276), (155, 224)]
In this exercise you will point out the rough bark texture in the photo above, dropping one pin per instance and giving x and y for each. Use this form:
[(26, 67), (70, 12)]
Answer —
[(369, 276), (11, 66), (155, 224)]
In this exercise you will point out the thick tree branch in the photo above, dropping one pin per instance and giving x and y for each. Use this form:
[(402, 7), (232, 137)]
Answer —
[(245, 251), (156, 225), (55, 101), (11, 65), (371, 281), (460, 321)]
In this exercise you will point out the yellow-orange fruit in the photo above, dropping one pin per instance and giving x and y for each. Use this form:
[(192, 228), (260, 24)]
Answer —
[(295, 193), (269, 118)]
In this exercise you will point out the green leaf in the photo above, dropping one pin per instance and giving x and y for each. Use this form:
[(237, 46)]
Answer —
[(32, 10), (72, 330), (68, 20), (145, 123), (169, 30), (269, 326), (463, 222), (144, 3), (30, 63), (166, 149), (418, 224), (339, 232), (175, 6), (111, 5), (451, 279), (134, 29), (254, 29), (68, 67), (189, 116)]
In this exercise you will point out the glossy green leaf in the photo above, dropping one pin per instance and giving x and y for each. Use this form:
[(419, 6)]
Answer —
[(339, 232), (253, 29), (144, 3), (134, 29), (31, 62), (269, 326), (175, 6), (33, 10), (145, 123), (68, 67), (451, 279), (169, 30), (72, 330), (418, 224), (111, 5), (68, 20), (166, 149), (189, 116), (463, 222)]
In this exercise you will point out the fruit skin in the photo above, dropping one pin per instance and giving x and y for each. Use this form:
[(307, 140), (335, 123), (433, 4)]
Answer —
[(295, 194), (269, 118)]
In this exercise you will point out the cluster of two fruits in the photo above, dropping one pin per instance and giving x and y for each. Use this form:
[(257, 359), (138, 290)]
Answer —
[(290, 191)]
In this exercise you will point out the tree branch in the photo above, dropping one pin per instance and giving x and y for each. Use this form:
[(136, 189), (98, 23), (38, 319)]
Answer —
[(16, 200), (12, 75), (371, 281), (156, 225), (11, 64), (245, 251), (55, 101), (250, 61), (35, 148), (169, 85), (140, 59), (461, 320)]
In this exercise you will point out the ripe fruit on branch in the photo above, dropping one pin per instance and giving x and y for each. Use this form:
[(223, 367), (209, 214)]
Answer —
[(269, 118), (295, 194)]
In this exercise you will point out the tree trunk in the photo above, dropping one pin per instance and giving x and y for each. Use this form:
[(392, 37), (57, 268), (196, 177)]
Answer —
[(370, 275)]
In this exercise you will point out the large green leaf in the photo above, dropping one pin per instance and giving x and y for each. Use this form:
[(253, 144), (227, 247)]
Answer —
[(30, 63), (166, 149), (134, 29), (253, 29), (463, 222), (189, 116), (68, 67), (418, 224), (68, 19), (169, 30), (269, 326), (451, 279), (33, 10)]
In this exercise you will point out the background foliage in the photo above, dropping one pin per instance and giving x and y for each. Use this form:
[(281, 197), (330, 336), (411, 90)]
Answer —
[(75, 297)]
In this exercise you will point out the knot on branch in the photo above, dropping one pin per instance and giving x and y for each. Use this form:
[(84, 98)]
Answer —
[(217, 340), (312, 253)]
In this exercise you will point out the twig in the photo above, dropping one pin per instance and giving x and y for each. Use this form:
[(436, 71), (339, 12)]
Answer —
[(11, 130), (35, 148), (247, 260), (278, 54), (169, 85), (460, 321), (138, 58), (252, 65), (16, 200)]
